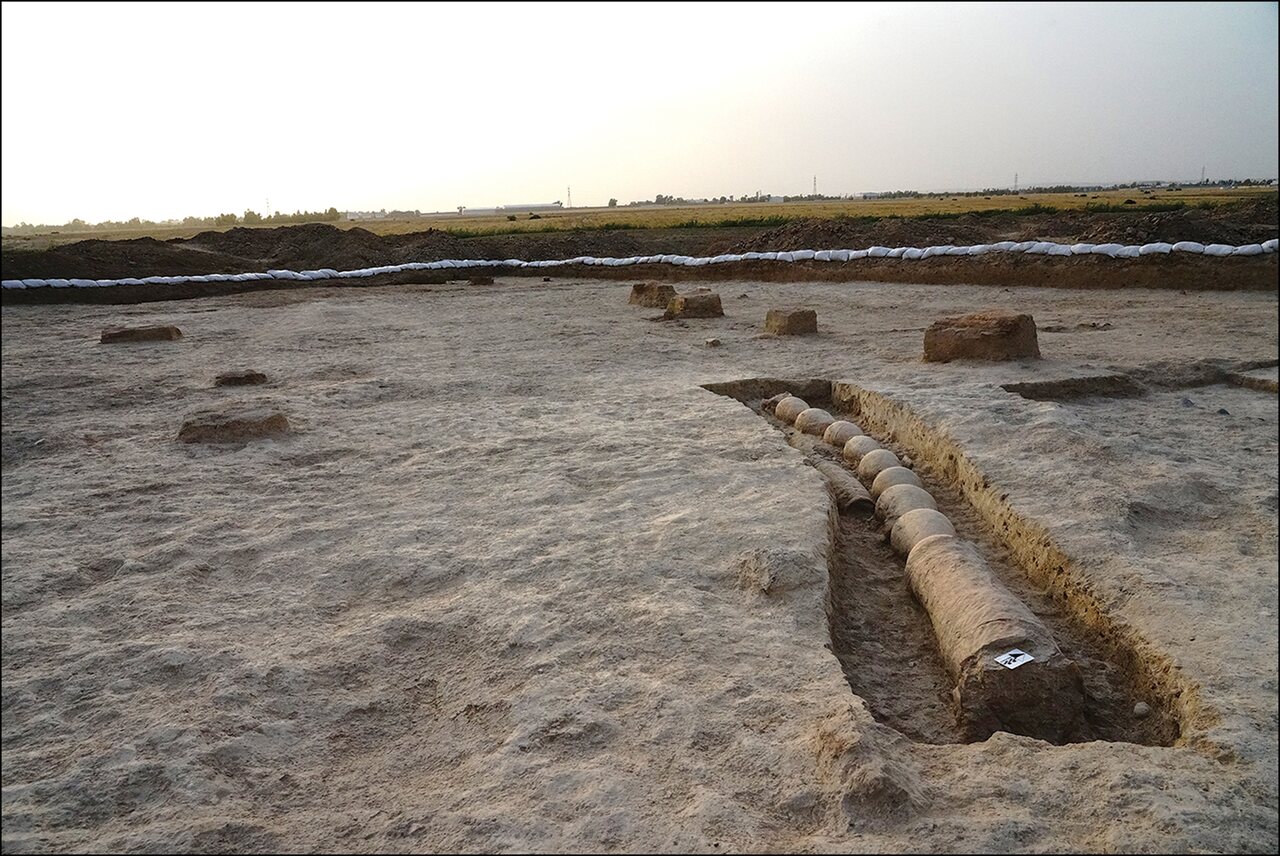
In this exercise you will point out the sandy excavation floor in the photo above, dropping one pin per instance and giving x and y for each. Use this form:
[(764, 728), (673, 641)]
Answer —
[(501, 589)]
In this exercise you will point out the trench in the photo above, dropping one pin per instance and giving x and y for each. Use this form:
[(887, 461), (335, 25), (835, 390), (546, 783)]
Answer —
[(883, 638)]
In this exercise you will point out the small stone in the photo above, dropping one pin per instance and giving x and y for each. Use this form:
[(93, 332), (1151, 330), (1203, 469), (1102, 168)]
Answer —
[(157, 333), (713, 343), (908, 462), (245, 378), (1141, 710), (1222, 411), (546, 279), (1186, 402)]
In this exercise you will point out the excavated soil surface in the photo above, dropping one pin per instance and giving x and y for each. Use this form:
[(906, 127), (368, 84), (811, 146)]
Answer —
[(316, 246), (493, 592)]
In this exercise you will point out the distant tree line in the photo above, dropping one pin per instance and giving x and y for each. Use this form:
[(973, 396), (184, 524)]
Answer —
[(249, 218)]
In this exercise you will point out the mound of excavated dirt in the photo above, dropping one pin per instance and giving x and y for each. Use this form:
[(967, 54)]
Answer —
[(1238, 223), (320, 245), (820, 234)]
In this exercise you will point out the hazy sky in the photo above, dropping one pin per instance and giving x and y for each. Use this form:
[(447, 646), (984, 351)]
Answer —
[(113, 111)]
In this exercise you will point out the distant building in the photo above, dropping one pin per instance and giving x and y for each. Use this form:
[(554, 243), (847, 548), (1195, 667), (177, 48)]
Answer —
[(531, 208)]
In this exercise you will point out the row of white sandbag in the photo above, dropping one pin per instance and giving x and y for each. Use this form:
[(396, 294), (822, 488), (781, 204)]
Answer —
[(1047, 248)]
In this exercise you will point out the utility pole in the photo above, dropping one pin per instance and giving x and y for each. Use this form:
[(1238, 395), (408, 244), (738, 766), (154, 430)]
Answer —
[(568, 191), (815, 185), (1202, 175), (1015, 182)]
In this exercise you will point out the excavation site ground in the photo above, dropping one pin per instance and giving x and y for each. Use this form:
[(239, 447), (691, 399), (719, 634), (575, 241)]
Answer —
[(521, 566)]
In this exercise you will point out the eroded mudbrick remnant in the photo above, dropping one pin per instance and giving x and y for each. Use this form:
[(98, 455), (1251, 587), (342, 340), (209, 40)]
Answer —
[(1010, 674), (238, 426), (245, 378), (156, 333), (993, 335), (655, 295), (791, 322), (699, 305)]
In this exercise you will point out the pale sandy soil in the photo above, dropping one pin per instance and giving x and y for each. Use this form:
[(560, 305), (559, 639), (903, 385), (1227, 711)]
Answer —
[(488, 596)]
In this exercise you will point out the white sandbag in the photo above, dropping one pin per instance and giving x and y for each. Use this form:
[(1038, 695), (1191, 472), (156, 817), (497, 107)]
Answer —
[(930, 252), (59, 283), (12, 283), (35, 283), (801, 255), (1003, 246), (1106, 250), (84, 283), (1130, 252), (784, 257), (1081, 249), (958, 251), (768, 257), (311, 274), (1059, 250), (1270, 246), (752, 256), (913, 253), (733, 257), (1022, 246), (1189, 247), (1039, 248), (877, 252), (896, 252), (855, 255), (979, 249), (1248, 250), (1219, 250), (1158, 248), (283, 274), (839, 255), (822, 256)]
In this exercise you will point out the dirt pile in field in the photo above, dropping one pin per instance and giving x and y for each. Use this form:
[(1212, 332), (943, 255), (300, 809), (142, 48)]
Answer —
[(1241, 223), (320, 245), (1238, 223), (95, 259), (818, 234)]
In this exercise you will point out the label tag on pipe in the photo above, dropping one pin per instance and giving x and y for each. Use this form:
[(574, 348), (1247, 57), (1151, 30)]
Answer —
[(1013, 659)]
